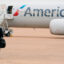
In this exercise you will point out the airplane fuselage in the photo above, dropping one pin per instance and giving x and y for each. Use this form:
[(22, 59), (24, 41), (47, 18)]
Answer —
[(36, 15)]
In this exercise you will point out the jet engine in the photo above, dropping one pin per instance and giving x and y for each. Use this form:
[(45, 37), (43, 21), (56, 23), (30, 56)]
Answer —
[(57, 26)]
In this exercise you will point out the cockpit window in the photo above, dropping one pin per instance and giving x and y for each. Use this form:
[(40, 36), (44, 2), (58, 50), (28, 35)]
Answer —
[(9, 10)]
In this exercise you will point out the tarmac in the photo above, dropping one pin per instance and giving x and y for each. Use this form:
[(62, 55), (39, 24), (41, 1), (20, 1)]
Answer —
[(33, 46)]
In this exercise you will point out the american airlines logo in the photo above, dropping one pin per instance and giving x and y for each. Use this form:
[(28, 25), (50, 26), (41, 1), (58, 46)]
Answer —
[(58, 12), (17, 11)]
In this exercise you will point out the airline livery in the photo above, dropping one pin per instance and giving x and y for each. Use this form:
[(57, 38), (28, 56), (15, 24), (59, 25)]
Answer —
[(32, 14)]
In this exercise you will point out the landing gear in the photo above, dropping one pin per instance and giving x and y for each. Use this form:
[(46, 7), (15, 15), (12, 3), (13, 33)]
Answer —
[(2, 41), (8, 33)]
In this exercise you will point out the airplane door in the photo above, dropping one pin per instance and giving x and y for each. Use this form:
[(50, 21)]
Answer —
[(9, 14)]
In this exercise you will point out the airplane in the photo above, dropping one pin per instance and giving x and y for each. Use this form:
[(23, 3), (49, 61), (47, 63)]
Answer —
[(42, 14), (32, 14)]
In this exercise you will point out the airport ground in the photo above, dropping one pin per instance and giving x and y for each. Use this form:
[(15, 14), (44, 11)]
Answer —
[(33, 46)]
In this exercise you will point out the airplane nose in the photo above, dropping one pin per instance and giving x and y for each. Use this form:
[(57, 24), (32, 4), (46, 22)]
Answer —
[(2, 43)]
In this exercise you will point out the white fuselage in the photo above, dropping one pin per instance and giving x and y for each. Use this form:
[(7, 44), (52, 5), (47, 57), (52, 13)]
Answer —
[(36, 14)]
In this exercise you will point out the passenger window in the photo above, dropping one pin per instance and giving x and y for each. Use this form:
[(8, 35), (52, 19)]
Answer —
[(9, 10)]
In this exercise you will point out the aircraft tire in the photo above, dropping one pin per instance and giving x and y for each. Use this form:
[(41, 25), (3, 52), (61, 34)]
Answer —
[(2, 43), (8, 34)]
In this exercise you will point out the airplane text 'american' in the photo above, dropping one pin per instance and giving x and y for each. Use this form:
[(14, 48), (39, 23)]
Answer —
[(44, 12)]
